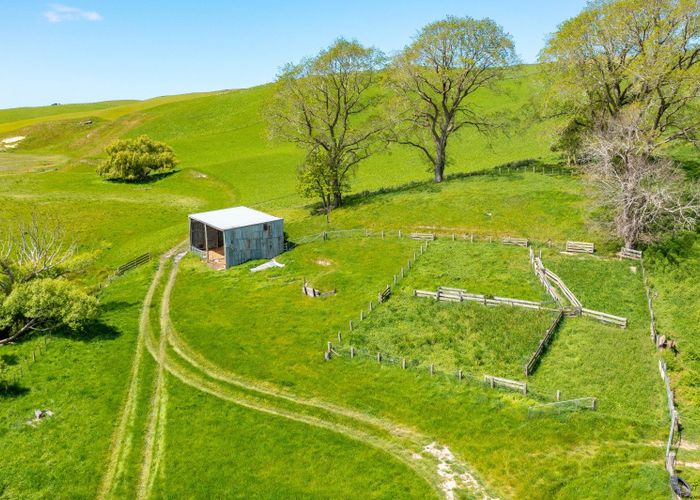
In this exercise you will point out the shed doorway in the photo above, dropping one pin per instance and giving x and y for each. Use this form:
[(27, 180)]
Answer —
[(210, 242)]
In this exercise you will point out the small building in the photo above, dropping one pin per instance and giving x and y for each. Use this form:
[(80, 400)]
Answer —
[(232, 236)]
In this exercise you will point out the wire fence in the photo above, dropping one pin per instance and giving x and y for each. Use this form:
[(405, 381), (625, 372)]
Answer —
[(13, 367)]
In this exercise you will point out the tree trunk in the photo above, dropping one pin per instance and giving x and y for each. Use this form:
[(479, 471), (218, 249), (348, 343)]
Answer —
[(439, 166), (440, 157), (337, 194)]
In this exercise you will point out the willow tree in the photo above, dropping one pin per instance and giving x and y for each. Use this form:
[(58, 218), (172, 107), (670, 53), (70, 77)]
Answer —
[(327, 103), (627, 52), (435, 76)]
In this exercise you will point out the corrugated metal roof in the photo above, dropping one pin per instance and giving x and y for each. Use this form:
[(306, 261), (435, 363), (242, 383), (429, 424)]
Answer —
[(231, 218)]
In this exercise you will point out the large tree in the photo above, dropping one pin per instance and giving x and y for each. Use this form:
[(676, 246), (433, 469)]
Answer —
[(136, 159), (623, 52), (326, 103), (434, 77), (35, 295)]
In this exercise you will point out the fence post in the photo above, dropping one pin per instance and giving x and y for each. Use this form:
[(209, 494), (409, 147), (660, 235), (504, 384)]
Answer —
[(382, 234), (409, 264), (379, 357), (352, 352), (330, 346), (399, 233), (594, 404), (370, 306), (395, 280), (403, 363), (432, 368), (460, 374), (402, 272), (33, 356), (558, 395), (350, 325), (340, 336), (453, 236), (362, 315)]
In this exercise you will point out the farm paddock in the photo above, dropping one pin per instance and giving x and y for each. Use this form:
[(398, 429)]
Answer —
[(289, 357)]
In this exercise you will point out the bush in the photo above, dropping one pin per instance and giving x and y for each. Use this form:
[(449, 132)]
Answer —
[(136, 159)]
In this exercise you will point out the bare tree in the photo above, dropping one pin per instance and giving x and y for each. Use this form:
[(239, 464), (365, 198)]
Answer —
[(38, 250), (34, 295), (646, 195), (434, 76)]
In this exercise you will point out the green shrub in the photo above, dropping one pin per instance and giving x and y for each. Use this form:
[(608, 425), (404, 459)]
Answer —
[(136, 159)]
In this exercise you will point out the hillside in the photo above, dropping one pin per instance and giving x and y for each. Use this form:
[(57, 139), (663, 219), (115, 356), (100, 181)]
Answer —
[(236, 357)]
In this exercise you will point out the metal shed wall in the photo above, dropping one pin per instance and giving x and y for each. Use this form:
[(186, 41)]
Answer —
[(259, 241)]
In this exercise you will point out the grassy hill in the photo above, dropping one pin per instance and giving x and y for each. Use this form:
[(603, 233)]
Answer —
[(243, 378)]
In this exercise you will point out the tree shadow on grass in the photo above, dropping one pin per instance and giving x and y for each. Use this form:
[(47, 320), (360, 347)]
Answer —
[(93, 331), (430, 186), (148, 180), (116, 305), (12, 390)]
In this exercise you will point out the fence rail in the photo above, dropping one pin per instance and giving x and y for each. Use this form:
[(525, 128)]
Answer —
[(494, 382), (567, 405), (605, 318), (448, 294), (564, 289), (629, 253), (535, 358), (423, 236), (313, 292), (521, 242), (141, 259), (580, 247)]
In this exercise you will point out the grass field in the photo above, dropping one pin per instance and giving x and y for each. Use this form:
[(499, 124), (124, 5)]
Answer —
[(246, 404)]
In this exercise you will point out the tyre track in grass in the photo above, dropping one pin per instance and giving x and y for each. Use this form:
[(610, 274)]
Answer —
[(154, 442), (123, 434), (406, 445)]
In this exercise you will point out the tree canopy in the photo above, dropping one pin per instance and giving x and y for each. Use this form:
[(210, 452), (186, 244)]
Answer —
[(136, 159), (448, 61), (326, 103), (618, 53)]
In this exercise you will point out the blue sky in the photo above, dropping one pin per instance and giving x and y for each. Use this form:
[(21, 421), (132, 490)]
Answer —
[(90, 50)]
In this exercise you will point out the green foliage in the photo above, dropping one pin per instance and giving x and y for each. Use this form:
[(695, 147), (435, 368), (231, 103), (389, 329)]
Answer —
[(328, 103), (623, 52), (136, 159), (49, 303), (448, 61)]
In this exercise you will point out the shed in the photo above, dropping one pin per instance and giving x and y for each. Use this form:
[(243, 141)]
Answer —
[(232, 236)]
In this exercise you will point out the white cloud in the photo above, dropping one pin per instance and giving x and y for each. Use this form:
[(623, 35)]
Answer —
[(59, 13)]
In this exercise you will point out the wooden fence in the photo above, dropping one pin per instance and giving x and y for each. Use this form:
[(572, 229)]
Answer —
[(448, 294), (534, 359), (521, 242), (423, 236), (629, 253), (384, 295), (564, 289), (514, 385), (141, 259), (604, 317), (313, 292), (579, 247), (560, 406)]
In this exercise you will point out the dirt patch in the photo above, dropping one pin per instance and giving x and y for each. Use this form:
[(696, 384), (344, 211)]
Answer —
[(323, 262), (453, 474), (11, 142)]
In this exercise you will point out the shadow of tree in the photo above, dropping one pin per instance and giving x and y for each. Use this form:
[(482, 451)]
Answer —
[(12, 390), (150, 179), (92, 331)]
